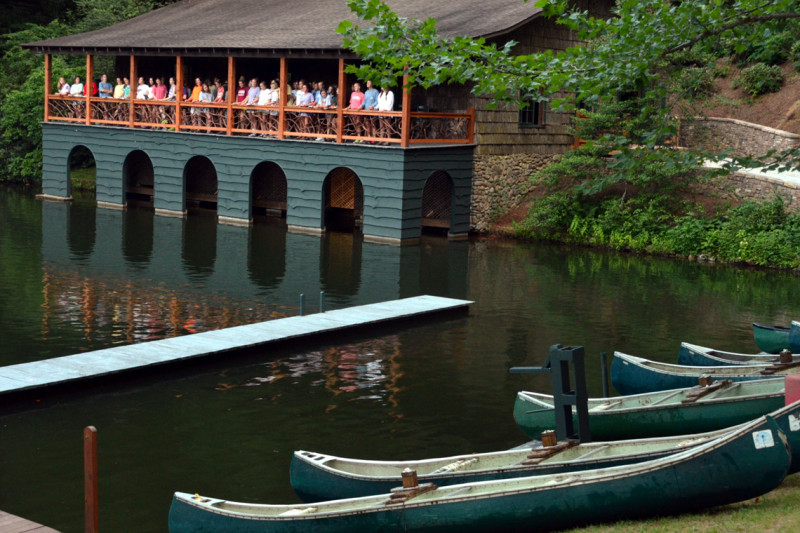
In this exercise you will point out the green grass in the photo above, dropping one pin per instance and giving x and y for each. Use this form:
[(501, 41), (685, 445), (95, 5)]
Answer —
[(777, 511), (83, 179)]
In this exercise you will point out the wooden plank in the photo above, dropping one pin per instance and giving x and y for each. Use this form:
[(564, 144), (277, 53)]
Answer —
[(111, 361), (10, 523)]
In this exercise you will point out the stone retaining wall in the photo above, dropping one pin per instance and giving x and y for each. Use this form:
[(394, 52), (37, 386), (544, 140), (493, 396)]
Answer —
[(744, 138), (500, 183), (740, 187)]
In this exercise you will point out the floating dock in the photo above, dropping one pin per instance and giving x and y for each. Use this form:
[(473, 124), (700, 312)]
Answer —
[(111, 361), (15, 524)]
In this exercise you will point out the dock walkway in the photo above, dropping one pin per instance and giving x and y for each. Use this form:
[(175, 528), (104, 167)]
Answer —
[(110, 361), (14, 524)]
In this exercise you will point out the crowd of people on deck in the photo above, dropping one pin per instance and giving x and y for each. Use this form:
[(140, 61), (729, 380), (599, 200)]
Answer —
[(253, 93)]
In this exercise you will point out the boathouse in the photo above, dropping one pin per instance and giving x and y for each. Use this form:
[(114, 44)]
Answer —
[(388, 174)]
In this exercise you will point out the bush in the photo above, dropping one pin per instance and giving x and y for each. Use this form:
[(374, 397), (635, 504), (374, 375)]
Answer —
[(794, 55), (773, 49), (760, 79)]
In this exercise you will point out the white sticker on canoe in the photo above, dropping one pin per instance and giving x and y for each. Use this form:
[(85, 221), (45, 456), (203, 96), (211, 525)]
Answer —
[(763, 439), (794, 423)]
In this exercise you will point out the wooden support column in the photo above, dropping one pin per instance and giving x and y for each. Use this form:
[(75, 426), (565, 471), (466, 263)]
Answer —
[(48, 83), (284, 80), (340, 99), (405, 120), (178, 91), (91, 511), (231, 92), (87, 87), (132, 79), (471, 129)]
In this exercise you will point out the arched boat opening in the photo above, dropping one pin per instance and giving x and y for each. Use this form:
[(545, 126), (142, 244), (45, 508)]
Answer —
[(82, 169), (344, 201), (200, 183), (437, 198), (139, 179), (268, 191)]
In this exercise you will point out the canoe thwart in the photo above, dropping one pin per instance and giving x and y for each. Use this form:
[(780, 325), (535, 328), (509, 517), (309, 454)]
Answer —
[(540, 454), (777, 367), (402, 495), (702, 390)]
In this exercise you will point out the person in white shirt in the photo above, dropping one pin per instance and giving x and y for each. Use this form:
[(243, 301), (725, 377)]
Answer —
[(63, 86), (385, 103), (142, 90)]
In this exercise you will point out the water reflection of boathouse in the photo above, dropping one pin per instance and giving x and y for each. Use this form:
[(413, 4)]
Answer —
[(320, 169)]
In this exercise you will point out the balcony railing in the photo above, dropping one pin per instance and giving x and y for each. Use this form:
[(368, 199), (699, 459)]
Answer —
[(329, 124)]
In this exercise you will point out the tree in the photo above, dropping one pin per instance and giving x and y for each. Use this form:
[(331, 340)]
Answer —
[(643, 46)]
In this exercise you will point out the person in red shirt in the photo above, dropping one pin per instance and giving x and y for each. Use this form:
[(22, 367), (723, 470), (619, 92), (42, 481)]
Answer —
[(357, 102)]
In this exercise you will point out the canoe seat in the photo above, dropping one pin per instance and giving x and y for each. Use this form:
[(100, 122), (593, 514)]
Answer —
[(606, 406), (540, 454), (698, 392), (402, 495)]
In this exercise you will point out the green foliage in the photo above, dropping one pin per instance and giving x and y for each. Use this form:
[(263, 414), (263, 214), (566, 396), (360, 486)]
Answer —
[(794, 55), (760, 79), (22, 75)]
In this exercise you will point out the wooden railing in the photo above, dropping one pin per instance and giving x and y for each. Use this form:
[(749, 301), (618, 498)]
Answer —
[(322, 124)]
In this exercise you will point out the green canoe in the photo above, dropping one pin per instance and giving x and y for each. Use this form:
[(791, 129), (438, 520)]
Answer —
[(662, 413), (742, 464), (693, 355), (636, 375), (771, 339), (317, 477)]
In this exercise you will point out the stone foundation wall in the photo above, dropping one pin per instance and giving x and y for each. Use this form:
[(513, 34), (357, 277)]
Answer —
[(740, 187), (500, 183), (744, 138)]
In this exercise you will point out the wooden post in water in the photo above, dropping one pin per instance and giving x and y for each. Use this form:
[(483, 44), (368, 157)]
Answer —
[(91, 512)]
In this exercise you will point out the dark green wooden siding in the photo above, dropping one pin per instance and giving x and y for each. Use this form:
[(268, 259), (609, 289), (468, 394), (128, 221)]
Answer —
[(392, 178)]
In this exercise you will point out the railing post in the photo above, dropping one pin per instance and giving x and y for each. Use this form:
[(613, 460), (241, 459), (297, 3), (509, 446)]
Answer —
[(321, 301), (302, 304), (132, 79), (178, 91), (231, 93), (88, 87), (340, 99), (604, 373), (48, 83), (284, 81), (91, 510), (405, 121)]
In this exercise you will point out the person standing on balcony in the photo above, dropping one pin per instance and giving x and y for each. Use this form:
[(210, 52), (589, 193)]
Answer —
[(173, 89), (76, 90), (119, 89), (142, 90), (357, 102), (105, 88), (63, 86), (252, 99), (385, 103), (159, 90), (370, 104), (126, 91), (196, 90)]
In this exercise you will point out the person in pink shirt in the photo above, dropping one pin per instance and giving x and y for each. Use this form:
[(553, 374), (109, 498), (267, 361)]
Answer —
[(159, 90), (357, 102)]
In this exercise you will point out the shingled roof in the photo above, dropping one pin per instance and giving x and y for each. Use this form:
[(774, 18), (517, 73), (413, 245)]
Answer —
[(275, 27)]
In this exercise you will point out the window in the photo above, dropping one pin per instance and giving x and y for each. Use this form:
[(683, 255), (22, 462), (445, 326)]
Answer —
[(532, 116)]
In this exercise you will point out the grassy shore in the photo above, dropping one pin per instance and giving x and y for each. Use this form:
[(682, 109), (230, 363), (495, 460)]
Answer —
[(83, 179), (778, 511)]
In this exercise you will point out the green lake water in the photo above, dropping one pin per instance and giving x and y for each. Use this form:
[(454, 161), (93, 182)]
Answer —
[(75, 278)]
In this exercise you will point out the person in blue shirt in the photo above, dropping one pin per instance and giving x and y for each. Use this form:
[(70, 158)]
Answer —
[(105, 87), (371, 104)]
